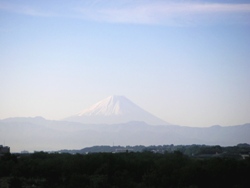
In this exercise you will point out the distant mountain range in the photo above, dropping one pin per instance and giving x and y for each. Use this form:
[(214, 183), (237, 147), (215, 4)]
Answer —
[(41, 134), (116, 121)]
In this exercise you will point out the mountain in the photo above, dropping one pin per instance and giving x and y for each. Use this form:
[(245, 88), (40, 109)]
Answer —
[(41, 134), (113, 110), (114, 120)]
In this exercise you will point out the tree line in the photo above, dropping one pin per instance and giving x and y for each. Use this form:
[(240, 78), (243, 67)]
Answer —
[(136, 169)]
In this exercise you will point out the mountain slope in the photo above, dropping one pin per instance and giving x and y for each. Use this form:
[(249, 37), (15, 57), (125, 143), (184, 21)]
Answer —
[(41, 134), (113, 110)]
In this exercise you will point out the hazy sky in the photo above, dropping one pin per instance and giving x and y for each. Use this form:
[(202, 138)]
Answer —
[(187, 62)]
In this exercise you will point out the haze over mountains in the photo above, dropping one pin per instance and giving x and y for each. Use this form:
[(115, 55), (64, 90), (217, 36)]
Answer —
[(114, 120)]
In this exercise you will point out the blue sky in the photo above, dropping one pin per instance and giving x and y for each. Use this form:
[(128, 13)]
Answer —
[(187, 62)]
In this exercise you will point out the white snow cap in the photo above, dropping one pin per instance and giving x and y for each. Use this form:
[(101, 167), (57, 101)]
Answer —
[(112, 105), (115, 109)]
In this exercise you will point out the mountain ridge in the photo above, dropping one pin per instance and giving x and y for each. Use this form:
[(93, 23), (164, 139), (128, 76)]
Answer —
[(33, 134)]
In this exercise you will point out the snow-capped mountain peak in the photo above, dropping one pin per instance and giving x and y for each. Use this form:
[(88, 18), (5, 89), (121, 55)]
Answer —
[(113, 105), (115, 109)]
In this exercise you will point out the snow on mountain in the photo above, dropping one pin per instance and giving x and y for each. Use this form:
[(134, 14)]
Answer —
[(113, 110)]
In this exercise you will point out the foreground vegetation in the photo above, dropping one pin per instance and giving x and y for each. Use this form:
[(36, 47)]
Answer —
[(135, 169)]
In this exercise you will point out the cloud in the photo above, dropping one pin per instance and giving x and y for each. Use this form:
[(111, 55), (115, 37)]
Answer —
[(168, 13)]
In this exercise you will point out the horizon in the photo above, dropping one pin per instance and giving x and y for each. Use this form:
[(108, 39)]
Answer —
[(90, 108), (185, 62)]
